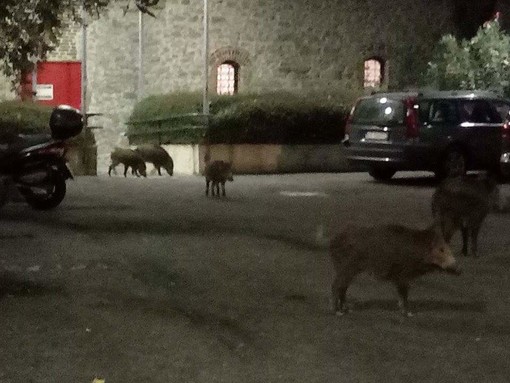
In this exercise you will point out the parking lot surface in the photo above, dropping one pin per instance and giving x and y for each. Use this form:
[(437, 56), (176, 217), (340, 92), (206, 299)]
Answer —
[(133, 280)]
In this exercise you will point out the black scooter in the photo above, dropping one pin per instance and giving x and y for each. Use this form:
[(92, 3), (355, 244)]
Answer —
[(35, 165)]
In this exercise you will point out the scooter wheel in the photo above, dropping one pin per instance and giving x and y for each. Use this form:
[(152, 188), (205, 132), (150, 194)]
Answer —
[(48, 196)]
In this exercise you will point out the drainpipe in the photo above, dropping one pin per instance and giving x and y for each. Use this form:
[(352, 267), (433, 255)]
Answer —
[(205, 100), (84, 64), (206, 61), (140, 56)]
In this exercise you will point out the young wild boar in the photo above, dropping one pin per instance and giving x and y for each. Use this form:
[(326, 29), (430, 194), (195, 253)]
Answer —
[(216, 173), (130, 159), (158, 156), (463, 203), (390, 252)]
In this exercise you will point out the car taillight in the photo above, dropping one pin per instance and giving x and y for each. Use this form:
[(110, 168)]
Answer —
[(348, 124), (348, 128), (505, 131), (411, 118)]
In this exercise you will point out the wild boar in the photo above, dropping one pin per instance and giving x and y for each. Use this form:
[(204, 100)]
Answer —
[(158, 156), (390, 252), (463, 203), (216, 173), (129, 158)]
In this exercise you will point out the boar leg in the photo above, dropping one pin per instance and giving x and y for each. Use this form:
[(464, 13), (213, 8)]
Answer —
[(465, 239), (474, 240), (125, 170), (159, 170), (207, 187), (403, 292), (448, 227), (216, 185), (113, 165), (223, 188), (338, 294), (110, 170)]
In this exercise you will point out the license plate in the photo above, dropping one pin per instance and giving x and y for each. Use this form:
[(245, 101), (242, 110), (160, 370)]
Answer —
[(376, 135)]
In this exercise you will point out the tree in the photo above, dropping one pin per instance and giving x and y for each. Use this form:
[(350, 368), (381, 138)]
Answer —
[(483, 62), (29, 29)]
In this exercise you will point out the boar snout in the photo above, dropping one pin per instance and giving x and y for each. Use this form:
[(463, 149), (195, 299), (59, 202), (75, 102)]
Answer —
[(441, 255)]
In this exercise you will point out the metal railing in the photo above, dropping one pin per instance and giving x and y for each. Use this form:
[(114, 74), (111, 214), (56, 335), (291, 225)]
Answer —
[(182, 122)]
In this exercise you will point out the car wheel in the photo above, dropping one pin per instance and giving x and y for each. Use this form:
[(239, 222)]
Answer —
[(382, 174), (452, 165)]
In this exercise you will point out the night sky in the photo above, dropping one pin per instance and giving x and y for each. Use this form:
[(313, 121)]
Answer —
[(471, 14)]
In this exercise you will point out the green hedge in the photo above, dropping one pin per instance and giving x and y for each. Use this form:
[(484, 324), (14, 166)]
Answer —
[(24, 117), (276, 118)]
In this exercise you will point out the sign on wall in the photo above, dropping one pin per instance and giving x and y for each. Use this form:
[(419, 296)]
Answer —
[(44, 92)]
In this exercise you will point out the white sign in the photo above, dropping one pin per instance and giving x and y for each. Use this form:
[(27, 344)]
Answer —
[(44, 92)]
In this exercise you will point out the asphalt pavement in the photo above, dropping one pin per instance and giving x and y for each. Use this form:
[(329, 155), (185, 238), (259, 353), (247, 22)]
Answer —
[(134, 279)]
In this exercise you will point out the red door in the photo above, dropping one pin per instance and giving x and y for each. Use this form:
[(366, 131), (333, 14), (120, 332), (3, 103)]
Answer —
[(58, 83)]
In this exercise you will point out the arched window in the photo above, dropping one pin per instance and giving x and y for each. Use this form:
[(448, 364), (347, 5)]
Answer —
[(227, 80), (374, 73)]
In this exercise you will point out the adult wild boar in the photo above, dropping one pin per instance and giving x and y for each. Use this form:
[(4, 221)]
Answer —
[(463, 203), (217, 173), (390, 252), (130, 159), (158, 156)]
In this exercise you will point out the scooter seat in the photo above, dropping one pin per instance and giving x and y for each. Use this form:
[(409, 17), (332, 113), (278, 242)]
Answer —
[(34, 139), (15, 144)]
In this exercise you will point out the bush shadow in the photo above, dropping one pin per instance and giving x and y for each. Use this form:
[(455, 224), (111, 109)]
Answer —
[(14, 285)]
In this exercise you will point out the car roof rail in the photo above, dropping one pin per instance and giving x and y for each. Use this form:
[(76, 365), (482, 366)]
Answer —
[(464, 93)]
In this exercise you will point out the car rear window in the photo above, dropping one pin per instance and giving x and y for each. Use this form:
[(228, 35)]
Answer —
[(379, 110)]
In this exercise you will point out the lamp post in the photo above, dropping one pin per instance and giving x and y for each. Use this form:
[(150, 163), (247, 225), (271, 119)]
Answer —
[(206, 62)]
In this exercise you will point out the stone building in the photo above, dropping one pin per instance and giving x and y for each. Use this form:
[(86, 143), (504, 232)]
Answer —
[(306, 46)]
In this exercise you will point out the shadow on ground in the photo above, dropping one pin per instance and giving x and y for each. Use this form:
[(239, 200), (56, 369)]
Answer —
[(423, 305), (14, 285)]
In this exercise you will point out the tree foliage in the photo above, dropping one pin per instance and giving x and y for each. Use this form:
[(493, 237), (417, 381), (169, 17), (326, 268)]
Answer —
[(29, 29), (482, 62)]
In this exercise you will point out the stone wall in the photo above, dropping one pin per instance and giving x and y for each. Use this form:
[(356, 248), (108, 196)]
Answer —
[(69, 43), (307, 46), (260, 159)]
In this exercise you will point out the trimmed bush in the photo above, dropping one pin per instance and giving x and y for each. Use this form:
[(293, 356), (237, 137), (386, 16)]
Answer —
[(273, 118), (26, 117), (17, 117)]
